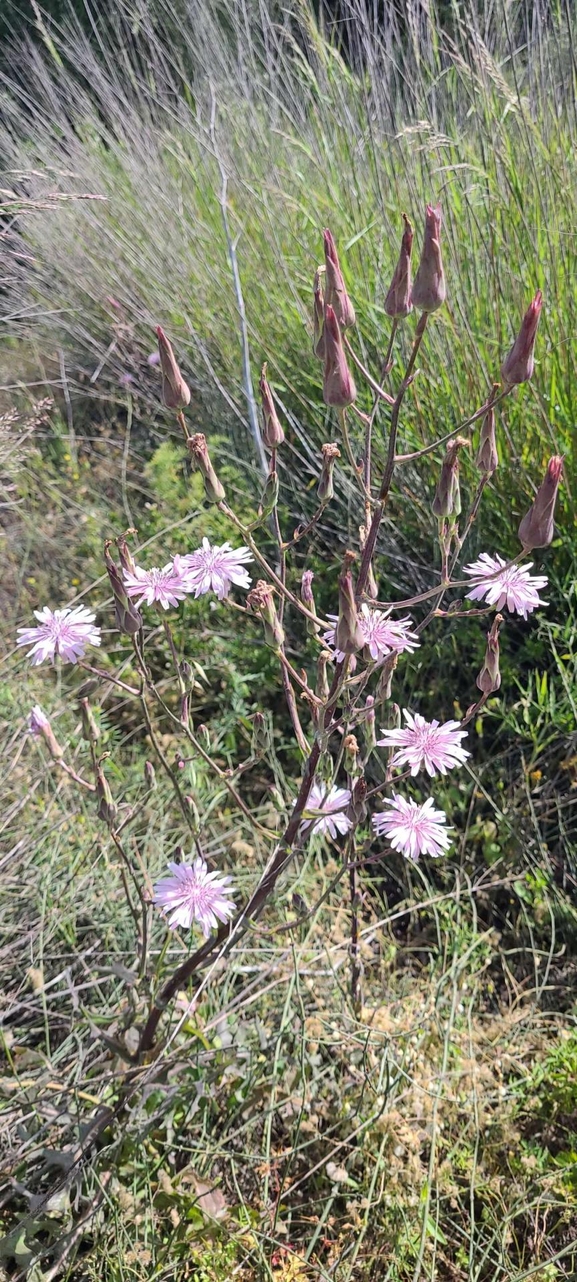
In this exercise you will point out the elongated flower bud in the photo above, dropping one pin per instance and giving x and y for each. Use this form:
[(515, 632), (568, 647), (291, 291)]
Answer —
[(351, 755), (429, 289), (126, 558), (338, 383), (149, 775), (90, 730), (269, 496), (39, 726), (128, 618), (349, 635), (518, 366), (272, 432), (398, 301), (175, 392), (489, 678), (538, 526), (368, 724), (322, 687), (358, 802), (385, 681), (335, 292), (318, 316), (107, 808), (261, 600), (261, 743), (487, 457), (326, 490), (198, 449), (307, 598), (447, 500)]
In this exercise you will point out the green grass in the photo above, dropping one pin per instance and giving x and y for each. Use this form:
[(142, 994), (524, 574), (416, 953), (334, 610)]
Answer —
[(282, 1133)]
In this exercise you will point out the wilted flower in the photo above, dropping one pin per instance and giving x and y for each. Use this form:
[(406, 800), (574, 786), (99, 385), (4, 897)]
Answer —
[(213, 488), (489, 678), (335, 293), (412, 828), (502, 585), (538, 526), (426, 743), (39, 726), (215, 568), (272, 432), (175, 392), (338, 383), (65, 633), (325, 811), (192, 893), (398, 301), (518, 366), (128, 619), (261, 600), (166, 586), (331, 453), (429, 290), (382, 635)]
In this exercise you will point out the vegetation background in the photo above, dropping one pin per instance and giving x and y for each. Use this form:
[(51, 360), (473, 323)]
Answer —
[(281, 1134)]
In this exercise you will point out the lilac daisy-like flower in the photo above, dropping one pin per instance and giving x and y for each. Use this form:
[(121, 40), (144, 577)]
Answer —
[(426, 743), (325, 811), (166, 586), (214, 568), (383, 635), (192, 893), (412, 828), (512, 586), (65, 633)]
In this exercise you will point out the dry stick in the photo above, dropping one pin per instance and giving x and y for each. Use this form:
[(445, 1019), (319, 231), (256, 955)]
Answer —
[(380, 391), (258, 556), (301, 531), (286, 670), (428, 449), (77, 778), (229, 934), (371, 539), (105, 676), (153, 739), (354, 945)]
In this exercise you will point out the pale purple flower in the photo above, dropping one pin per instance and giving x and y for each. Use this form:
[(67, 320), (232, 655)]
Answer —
[(383, 635), (412, 828), (192, 893), (65, 633), (325, 811), (426, 743), (37, 720), (513, 586), (214, 568), (166, 586)]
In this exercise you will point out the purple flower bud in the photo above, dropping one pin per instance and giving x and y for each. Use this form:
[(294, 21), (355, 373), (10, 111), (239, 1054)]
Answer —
[(489, 678), (487, 457), (538, 526), (318, 316), (518, 366), (128, 618), (338, 384), (39, 726), (175, 392), (272, 432), (447, 500), (261, 600), (398, 301), (429, 289), (349, 635), (331, 453), (336, 295), (198, 449)]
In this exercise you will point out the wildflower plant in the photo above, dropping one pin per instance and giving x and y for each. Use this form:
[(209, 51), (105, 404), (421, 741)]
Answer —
[(367, 794)]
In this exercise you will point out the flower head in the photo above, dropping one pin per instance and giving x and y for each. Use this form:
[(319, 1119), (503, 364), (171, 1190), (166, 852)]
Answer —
[(412, 828), (192, 893), (426, 743), (382, 635), (325, 811), (166, 586), (65, 633), (502, 585), (215, 569)]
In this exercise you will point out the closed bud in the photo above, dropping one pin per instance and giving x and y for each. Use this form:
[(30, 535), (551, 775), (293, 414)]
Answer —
[(192, 808), (203, 736), (175, 392), (261, 600), (331, 453), (384, 684), (335, 291), (126, 558), (149, 776), (198, 449), (272, 432), (368, 725), (349, 636), (351, 755), (358, 804), (107, 808), (371, 585), (338, 383), (39, 726), (318, 316), (518, 366), (489, 678), (487, 457), (184, 709), (90, 730), (322, 688), (429, 289), (447, 500), (538, 526), (269, 496), (187, 674), (128, 618), (261, 743), (398, 301), (307, 598)]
